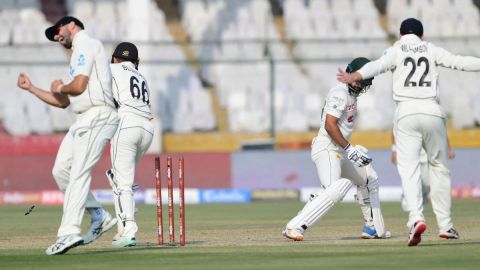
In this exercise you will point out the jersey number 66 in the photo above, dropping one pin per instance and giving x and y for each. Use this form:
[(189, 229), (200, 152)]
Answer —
[(136, 92)]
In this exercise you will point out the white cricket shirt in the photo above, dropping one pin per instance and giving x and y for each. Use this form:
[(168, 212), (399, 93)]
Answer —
[(341, 104), (90, 59), (130, 90), (414, 63)]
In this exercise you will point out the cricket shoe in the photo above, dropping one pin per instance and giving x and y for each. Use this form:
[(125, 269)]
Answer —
[(294, 234), (369, 232), (64, 243), (450, 234), (98, 227), (416, 231), (124, 241)]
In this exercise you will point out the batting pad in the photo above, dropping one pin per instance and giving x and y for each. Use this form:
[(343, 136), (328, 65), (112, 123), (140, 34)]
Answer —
[(373, 187), (320, 205), (116, 199), (363, 199), (377, 213)]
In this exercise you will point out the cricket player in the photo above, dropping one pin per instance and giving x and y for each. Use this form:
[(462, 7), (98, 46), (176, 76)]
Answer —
[(423, 173), (419, 121), (340, 165), (89, 93), (132, 139)]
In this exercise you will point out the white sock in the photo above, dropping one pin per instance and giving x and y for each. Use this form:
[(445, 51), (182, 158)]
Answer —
[(96, 213)]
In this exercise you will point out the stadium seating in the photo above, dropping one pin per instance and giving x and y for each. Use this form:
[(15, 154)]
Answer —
[(245, 30), (234, 40), (441, 18), (111, 24), (451, 25), (343, 33), (335, 31), (234, 21)]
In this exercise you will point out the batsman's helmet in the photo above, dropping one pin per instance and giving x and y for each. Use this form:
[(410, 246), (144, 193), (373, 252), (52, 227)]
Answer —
[(355, 65)]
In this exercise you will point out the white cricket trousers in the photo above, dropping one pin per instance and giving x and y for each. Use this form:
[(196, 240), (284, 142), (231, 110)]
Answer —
[(79, 151), (412, 132), (332, 165), (132, 139), (337, 175)]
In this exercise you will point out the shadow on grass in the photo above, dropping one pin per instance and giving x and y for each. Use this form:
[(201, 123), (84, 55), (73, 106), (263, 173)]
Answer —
[(138, 247), (373, 239), (449, 242)]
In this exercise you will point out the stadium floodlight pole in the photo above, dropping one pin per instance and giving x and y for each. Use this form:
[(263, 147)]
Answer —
[(267, 53), (272, 95), (271, 63)]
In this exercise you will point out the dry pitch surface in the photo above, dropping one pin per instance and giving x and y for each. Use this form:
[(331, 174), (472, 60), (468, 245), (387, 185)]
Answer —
[(246, 236)]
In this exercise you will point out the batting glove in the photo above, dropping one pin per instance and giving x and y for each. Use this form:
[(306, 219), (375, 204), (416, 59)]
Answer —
[(357, 155)]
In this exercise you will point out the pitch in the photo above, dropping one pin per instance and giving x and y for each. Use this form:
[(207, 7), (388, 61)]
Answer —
[(246, 236)]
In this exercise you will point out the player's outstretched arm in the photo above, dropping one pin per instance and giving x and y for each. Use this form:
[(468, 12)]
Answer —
[(371, 69), (446, 59), (51, 98)]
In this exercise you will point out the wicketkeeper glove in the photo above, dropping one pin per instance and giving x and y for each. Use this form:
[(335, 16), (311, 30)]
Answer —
[(357, 155)]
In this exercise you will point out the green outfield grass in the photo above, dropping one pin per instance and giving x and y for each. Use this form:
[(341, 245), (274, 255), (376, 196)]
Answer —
[(246, 236)]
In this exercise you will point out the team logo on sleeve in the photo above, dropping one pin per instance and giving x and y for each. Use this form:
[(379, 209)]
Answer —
[(336, 102), (81, 60)]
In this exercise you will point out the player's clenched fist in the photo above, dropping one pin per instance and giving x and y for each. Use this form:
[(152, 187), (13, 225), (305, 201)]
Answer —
[(24, 82), (357, 155), (56, 86)]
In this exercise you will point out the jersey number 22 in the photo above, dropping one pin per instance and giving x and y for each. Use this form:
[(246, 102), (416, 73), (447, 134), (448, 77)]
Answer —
[(422, 82)]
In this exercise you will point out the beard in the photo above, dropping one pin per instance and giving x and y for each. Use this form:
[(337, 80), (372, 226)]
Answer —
[(67, 45), (66, 40)]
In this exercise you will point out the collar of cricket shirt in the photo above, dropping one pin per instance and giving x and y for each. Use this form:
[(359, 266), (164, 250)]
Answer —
[(128, 63), (78, 37), (411, 37)]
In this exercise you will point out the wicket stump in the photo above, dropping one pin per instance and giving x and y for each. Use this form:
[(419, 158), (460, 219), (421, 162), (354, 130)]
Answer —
[(181, 191)]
